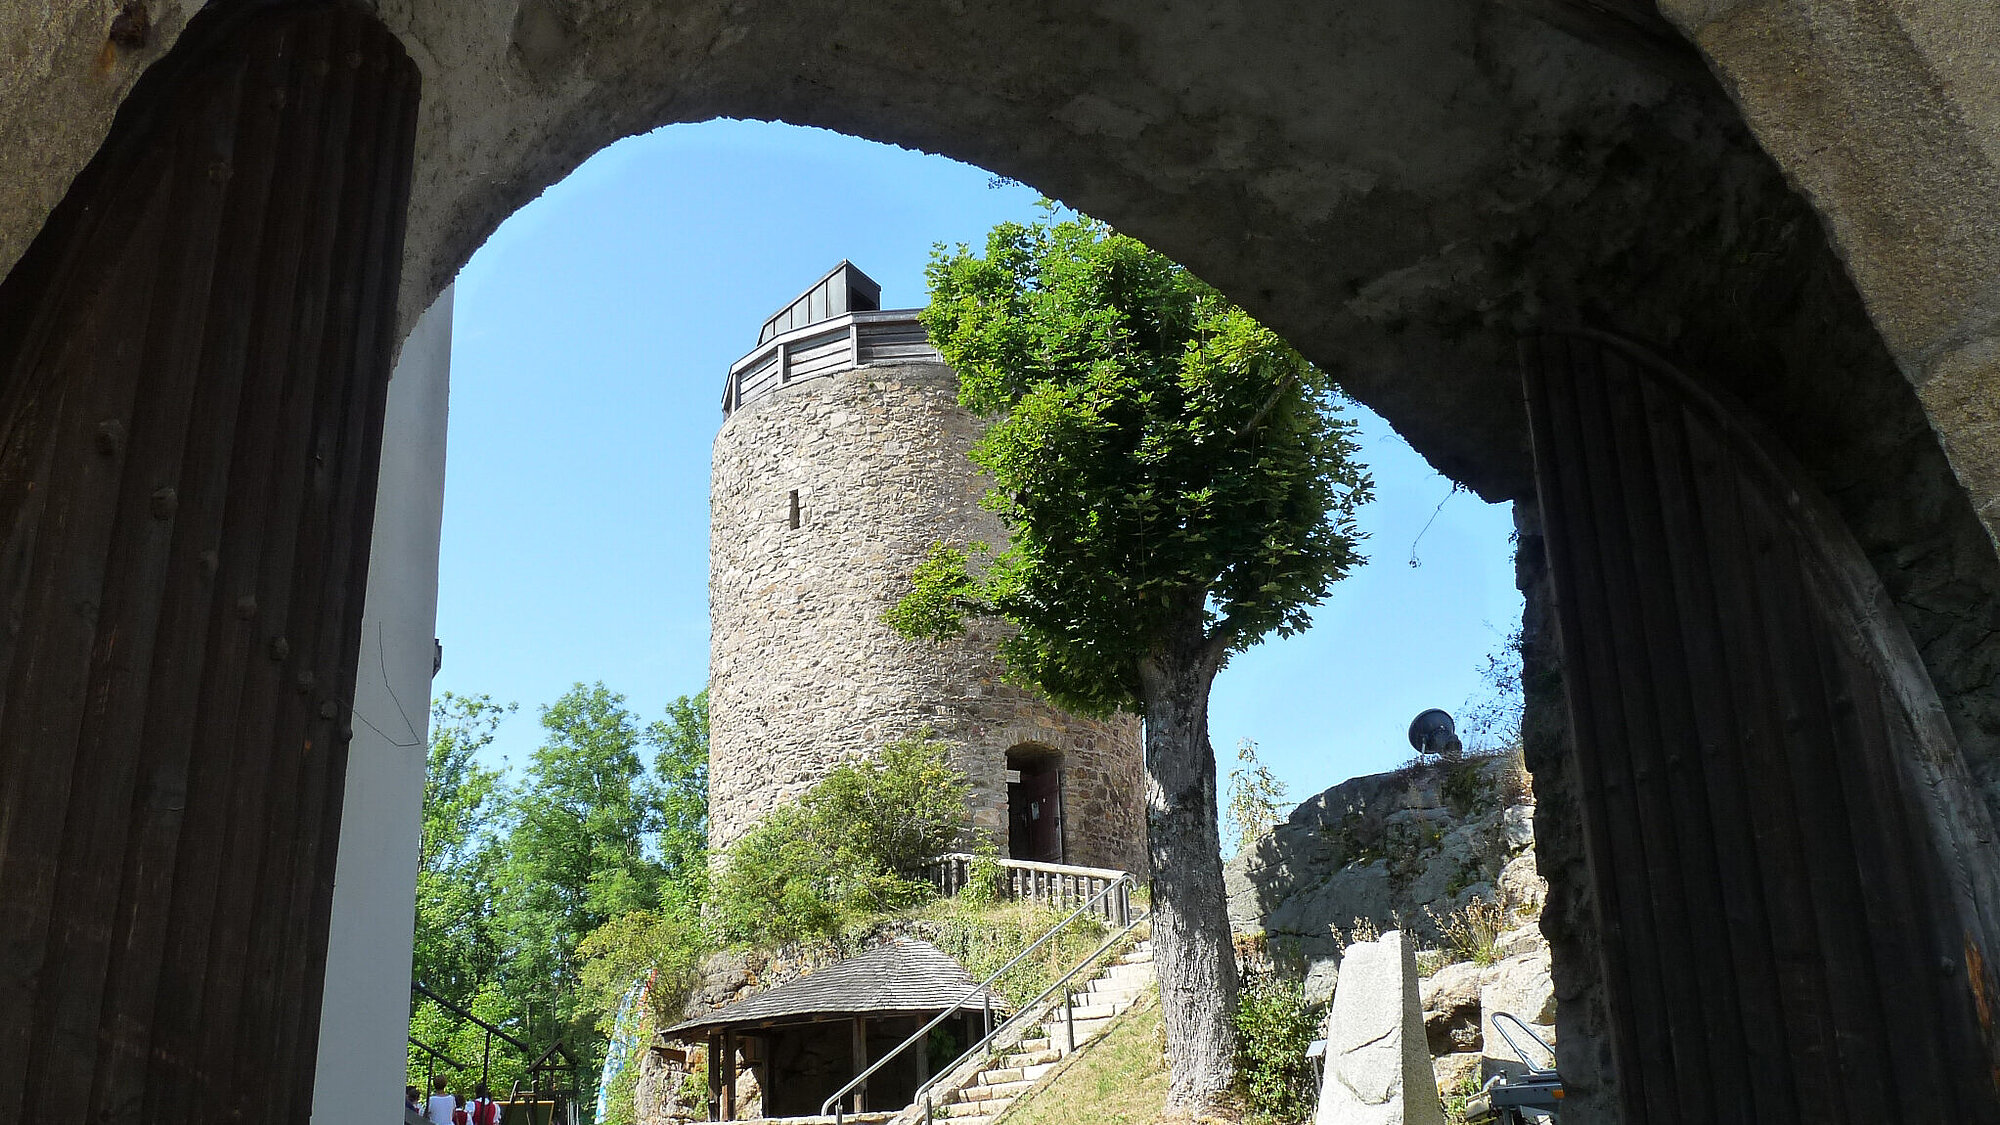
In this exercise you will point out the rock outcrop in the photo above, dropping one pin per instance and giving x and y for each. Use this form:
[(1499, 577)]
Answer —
[(1404, 848), (1414, 848)]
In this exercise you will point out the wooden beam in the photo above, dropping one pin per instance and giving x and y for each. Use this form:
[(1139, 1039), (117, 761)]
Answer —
[(729, 1074), (714, 1075), (859, 1055)]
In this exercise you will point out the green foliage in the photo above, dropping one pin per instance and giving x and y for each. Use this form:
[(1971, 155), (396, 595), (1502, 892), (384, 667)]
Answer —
[(1162, 462), (1461, 1092), (1464, 787), (1274, 1027), (986, 879), (851, 846), (514, 877), (1490, 719), (1469, 933), (984, 936), (620, 1105), (454, 950), (694, 1086), (664, 948), (1255, 796)]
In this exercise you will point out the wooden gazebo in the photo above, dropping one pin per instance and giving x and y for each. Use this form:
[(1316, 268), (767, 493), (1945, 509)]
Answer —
[(805, 1039)]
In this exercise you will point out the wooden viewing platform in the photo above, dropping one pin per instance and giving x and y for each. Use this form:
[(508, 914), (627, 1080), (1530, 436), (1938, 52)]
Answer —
[(833, 326)]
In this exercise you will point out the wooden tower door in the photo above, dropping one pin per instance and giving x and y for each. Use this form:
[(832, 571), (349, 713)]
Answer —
[(1795, 878), (194, 356), (1034, 808)]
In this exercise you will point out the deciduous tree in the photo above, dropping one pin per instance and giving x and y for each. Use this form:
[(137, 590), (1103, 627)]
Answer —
[(1176, 483)]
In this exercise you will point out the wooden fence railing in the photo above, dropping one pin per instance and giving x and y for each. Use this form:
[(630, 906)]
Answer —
[(1060, 885), (840, 343)]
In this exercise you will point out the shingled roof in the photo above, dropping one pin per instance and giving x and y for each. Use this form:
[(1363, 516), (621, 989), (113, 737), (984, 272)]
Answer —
[(903, 976)]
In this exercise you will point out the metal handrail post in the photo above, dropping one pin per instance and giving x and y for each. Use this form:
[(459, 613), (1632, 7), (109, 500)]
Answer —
[(830, 1106), (1069, 1020), (1031, 1005)]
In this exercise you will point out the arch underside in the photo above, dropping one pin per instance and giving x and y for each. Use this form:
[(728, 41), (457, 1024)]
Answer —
[(1401, 187)]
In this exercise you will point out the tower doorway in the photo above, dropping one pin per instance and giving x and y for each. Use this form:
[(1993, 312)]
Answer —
[(1034, 804)]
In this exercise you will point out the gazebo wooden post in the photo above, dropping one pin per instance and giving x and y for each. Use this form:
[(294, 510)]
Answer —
[(714, 1075), (729, 1074), (860, 1057)]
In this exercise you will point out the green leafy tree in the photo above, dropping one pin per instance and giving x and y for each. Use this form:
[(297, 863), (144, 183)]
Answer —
[(518, 882), (680, 796), (464, 804), (577, 856), (1176, 483), (1256, 797)]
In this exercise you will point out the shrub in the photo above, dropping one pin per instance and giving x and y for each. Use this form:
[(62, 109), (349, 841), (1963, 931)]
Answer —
[(854, 844), (664, 948), (1470, 933), (1274, 1026), (983, 936)]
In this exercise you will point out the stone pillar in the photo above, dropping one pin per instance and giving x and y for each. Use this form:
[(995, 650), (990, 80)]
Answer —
[(365, 1011), (1378, 1063)]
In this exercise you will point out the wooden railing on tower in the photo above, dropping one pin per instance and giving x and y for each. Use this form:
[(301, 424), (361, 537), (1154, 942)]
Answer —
[(1060, 885), (840, 343)]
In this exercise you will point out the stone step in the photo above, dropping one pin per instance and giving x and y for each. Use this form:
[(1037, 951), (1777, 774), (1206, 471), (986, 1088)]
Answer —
[(1090, 1029), (1031, 1046), (998, 1075), (997, 1090), (1082, 1012), (1032, 1058)]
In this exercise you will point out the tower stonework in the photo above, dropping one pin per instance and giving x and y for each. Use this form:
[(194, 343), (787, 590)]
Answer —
[(832, 478)]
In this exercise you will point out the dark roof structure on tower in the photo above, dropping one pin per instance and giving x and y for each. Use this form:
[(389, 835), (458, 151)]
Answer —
[(844, 289)]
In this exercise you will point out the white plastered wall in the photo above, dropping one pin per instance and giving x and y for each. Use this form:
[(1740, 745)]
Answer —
[(365, 1014)]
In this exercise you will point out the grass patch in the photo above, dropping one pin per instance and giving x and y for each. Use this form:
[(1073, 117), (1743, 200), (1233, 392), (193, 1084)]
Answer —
[(1120, 1080)]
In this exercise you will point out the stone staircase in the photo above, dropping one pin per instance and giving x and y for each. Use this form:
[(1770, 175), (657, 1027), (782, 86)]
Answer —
[(1012, 1074)]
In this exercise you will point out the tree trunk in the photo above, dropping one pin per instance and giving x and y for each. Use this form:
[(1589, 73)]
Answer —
[(1191, 942)]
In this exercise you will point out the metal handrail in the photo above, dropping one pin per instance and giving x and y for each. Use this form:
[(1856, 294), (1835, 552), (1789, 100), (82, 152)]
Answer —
[(1027, 1010), (1516, 1044), (833, 1103)]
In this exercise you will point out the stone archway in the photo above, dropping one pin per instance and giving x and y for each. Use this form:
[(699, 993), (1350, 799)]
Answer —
[(1401, 188)]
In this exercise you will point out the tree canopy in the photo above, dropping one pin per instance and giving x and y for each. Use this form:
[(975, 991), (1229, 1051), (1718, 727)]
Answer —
[(1157, 456)]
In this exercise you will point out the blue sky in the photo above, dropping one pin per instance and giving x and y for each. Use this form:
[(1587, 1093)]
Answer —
[(591, 336)]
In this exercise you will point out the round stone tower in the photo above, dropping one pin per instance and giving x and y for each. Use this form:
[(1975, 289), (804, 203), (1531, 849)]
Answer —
[(841, 460)]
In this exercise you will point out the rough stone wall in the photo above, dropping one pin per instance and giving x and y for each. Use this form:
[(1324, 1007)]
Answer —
[(802, 671)]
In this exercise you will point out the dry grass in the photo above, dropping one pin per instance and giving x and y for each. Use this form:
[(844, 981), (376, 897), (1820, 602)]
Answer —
[(1120, 1080)]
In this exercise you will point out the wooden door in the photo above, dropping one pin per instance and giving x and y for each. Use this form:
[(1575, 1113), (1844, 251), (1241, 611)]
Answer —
[(1035, 811), (1796, 879), (194, 356)]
